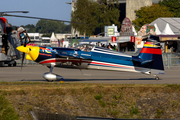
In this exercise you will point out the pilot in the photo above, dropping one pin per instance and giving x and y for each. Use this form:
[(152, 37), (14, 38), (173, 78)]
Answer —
[(84, 48), (109, 47)]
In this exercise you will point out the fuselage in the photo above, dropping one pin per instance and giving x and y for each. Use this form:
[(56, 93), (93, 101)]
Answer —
[(96, 58)]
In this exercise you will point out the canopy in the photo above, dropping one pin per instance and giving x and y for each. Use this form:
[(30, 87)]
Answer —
[(53, 38), (173, 22), (167, 30), (157, 29), (133, 29)]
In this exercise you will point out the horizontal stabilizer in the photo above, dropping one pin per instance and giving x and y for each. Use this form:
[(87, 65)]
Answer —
[(142, 61)]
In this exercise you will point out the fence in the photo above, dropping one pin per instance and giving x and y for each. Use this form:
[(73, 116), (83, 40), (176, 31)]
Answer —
[(169, 60)]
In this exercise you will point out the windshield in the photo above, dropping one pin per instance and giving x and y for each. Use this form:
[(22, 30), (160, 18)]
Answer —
[(84, 47)]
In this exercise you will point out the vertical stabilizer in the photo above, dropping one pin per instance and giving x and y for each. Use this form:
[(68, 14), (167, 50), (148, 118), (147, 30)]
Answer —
[(151, 56)]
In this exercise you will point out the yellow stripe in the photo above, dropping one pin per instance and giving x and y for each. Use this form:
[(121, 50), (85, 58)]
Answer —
[(149, 45)]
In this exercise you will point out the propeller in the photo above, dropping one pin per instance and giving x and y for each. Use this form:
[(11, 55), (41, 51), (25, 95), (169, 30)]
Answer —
[(22, 60), (25, 43)]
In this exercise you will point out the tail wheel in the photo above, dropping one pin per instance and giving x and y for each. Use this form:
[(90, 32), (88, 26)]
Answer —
[(156, 78), (61, 81)]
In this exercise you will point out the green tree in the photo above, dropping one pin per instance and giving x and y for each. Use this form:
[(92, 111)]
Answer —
[(14, 27), (67, 29), (49, 26), (85, 13), (94, 15), (173, 5), (30, 28), (109, 14), (148, 14)]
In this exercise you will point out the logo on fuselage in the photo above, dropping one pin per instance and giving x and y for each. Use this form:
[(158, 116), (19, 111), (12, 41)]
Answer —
[(45, 51)]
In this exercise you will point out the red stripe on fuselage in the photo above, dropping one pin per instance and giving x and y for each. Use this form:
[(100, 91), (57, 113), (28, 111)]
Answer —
[(63, 60), (151, 51), (78, 60), (151, 43)]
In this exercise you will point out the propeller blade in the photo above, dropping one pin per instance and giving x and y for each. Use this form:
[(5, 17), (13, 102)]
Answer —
[(25, 42), (23, 56), (24, 50), (42, 18)]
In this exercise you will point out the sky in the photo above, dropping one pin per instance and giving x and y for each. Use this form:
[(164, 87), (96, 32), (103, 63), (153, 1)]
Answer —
[(53, 9)]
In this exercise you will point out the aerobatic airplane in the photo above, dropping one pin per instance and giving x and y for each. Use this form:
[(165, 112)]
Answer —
[(88, 56)]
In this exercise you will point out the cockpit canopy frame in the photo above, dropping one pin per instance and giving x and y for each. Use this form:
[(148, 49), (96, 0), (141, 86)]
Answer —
[(85, 47)]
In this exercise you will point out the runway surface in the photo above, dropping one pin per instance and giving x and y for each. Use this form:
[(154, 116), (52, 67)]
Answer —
[(34, 73)]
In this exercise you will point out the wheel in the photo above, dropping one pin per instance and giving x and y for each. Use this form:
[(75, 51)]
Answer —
[(156, 78)]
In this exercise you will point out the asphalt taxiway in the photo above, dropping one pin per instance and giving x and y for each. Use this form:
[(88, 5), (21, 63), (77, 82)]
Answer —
[(34, 73)]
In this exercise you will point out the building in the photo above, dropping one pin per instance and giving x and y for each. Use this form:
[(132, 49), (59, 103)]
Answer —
[(128, 7), (45, 41), (132, 5), (33, 36), (73, 32), (62, 36)]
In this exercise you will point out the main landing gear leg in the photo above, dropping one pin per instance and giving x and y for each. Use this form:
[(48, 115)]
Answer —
[(50, 77), (51, 68)]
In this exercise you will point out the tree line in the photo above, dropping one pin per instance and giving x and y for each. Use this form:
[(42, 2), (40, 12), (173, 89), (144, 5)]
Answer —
[(47, 26), (95, 15)]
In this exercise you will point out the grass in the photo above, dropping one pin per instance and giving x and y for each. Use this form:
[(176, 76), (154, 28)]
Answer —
[(133, 110), (93, 100), (7, 112), (98, 97)]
